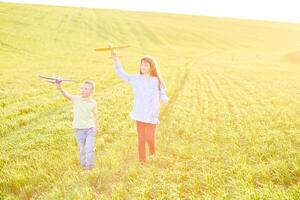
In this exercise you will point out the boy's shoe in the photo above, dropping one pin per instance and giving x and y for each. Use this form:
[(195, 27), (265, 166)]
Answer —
[(87, 167)]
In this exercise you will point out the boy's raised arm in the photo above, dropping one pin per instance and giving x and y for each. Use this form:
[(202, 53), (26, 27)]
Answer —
[(63, 91)]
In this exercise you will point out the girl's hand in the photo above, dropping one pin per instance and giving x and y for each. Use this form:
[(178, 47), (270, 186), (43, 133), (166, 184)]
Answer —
[(114, 55), (96, 130)]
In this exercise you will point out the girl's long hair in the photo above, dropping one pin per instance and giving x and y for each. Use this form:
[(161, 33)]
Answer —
[(154, 71)]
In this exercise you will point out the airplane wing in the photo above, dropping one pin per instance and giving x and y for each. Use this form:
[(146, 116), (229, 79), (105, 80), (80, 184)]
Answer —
[(68, 80), (53, 80), (111, 48), (49, 78)]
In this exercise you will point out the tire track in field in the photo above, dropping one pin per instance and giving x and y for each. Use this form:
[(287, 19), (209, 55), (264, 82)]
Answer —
[(177, 90), (212, 99), (202, 97), (188, 75), (220, 90)]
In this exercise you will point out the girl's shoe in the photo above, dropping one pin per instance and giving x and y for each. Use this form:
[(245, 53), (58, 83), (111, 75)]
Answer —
[(152, 157)]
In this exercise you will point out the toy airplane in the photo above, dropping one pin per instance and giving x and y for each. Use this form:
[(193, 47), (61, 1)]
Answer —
[(56, 80), (111, 48)]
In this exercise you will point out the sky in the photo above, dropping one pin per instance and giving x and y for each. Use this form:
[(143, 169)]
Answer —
[(271, 10)]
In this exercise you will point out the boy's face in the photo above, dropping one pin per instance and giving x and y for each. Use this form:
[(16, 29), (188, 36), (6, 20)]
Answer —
[(86, 90)]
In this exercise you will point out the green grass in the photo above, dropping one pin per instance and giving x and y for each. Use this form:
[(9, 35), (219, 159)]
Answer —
[(230, 131)]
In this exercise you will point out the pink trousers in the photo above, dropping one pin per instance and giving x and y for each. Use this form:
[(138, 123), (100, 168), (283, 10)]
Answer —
[(146, 134)]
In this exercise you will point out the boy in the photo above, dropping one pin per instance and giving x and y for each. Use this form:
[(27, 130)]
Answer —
[(85, 121)]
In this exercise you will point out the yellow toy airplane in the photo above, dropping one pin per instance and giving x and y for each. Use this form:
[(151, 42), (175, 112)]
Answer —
[(111, 48)]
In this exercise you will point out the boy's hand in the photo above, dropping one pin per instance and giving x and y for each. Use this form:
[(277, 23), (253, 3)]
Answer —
[(58, 84)]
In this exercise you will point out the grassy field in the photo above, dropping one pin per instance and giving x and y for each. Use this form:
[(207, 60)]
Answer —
[(230, 131)]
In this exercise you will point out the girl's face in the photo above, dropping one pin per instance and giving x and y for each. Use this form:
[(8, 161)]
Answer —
[(145, 67)]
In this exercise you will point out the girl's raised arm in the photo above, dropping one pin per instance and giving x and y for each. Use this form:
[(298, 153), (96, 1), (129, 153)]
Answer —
[(119, 69)]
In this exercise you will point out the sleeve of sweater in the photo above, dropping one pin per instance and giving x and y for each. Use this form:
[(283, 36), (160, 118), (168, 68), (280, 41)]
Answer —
[(163, 96), (122, 74)]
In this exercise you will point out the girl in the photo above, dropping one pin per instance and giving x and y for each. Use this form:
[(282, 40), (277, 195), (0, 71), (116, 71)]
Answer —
[(149, 92)]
